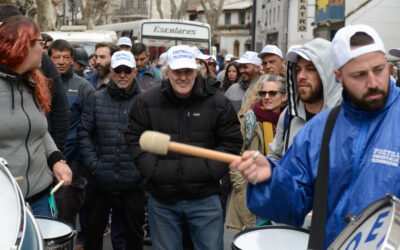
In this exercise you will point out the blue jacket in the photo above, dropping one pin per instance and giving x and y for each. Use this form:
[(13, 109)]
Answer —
[(364, 159)]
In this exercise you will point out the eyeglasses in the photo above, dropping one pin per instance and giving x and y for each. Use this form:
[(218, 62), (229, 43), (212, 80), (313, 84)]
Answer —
[(271, 93), (126, 70), (41, 42)]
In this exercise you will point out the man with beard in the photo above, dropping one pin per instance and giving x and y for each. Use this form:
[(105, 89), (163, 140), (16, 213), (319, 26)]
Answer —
[(100, 76), (249, 67), (69, 199), (312, 88), (363, 147)]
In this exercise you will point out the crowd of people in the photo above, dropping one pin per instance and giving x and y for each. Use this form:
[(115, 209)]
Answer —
[(71, 117)]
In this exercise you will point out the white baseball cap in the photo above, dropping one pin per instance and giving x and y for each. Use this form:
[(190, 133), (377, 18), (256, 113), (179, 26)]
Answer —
[(341, 50), (395, 52), (250, 57), (181, 57), (270, 49), (198, 54), (293, 54), (228, 57), (163, 57), (123, 58), (124, 41)]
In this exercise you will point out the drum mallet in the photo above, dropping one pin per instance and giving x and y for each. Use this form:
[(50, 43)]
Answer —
[(159, 143), (57, 187)]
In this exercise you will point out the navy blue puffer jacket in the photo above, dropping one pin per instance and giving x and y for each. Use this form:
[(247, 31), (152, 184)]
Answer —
[(102, 142)]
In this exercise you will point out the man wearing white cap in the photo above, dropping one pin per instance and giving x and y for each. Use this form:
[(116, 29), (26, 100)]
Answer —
[(184, 189), (272, 60), (124, 43), (249, 67), (311, 88), (114, 178), (363, 150)]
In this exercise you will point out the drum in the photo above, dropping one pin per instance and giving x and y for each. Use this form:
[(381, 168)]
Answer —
[(376, 227), (271, 237), (57, 235), (18, 229)]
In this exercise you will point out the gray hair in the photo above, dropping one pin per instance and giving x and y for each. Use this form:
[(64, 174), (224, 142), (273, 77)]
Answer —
[(272, 78)]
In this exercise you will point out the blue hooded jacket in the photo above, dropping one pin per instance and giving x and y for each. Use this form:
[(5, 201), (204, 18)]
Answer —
[(364, 159)]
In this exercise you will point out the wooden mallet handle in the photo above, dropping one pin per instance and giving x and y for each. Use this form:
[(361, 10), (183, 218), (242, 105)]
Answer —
[(159, 143)]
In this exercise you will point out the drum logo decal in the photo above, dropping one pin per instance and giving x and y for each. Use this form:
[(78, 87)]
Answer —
[(386, 157)]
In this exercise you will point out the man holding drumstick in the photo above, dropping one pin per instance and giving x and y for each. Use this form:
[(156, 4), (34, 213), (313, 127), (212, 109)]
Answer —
[(363, 153), (184, 189)]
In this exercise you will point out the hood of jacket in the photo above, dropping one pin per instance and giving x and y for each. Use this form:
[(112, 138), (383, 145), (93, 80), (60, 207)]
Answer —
[(319, 51)]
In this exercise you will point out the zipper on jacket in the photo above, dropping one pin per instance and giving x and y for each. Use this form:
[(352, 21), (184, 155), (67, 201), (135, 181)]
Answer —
[(354, 175), (26, 139)]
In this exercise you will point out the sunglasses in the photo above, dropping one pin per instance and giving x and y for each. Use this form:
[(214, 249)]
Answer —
[(271, 93), (41, 42), (126, 70)]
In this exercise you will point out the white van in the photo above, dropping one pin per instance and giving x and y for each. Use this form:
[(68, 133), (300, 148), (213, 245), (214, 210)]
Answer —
[(86, 39)]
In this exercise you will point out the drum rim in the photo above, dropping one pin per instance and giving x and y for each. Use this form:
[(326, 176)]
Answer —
[(359, 220), (234, 247), (19, 236), (60, 239)]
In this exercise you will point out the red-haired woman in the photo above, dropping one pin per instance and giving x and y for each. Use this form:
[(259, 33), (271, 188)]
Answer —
[(24, 100)]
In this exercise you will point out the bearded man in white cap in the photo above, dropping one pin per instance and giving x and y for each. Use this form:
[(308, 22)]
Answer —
[(364, 151), (184, 189), (113, 177)]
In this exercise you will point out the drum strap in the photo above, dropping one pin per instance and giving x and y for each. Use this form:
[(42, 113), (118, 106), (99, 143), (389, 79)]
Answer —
[(317, 231)]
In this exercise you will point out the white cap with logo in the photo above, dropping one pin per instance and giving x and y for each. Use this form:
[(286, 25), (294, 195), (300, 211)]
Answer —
[(341, 50), (124, 41), (181, 57), (249, 57), (123, 58), (293, 54), (270, 49), (228, 57)]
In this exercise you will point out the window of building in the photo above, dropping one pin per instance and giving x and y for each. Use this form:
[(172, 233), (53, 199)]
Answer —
[(270, 20), (273, 19), (279, 8), (236, 47), (227, 18), (242, 17)]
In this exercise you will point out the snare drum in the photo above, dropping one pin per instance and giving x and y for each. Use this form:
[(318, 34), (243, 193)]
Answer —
[(376, 227), (18, 229), (57, 235), (271, 237)]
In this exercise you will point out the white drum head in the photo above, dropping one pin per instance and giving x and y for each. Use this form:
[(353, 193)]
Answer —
[(51, 229), (10, 210), (272, 238)]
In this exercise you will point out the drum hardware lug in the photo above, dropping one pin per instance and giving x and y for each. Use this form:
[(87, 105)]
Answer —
[(393, 198), (349, 218), (3, 161)]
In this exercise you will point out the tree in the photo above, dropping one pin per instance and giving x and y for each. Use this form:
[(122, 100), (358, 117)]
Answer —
[(176, 12), (93, 12), (212, 13)]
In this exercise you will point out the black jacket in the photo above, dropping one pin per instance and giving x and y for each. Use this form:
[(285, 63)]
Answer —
[(58, 118), (101, 139), (206, 119)]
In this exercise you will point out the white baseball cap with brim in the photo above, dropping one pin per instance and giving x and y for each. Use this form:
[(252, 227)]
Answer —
[(198, 54), (294, 53), (124, 41), (249, 57), (228, 57), (395, 52), (341, 50), (163, 57), (270, 49), (181, 57), (123, 58)]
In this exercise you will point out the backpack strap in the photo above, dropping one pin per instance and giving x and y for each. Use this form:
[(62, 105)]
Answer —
[(317, 231)]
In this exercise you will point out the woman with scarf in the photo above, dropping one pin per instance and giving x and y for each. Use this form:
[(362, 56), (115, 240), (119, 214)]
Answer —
[(25, 99), (258, 117)]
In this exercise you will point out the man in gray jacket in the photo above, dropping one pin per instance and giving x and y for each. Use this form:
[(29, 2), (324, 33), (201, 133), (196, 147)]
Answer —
[(311, 87)]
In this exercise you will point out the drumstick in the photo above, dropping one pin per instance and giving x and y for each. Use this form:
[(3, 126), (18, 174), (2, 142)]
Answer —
[(57, 187), (159, 143), (19, 178)]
